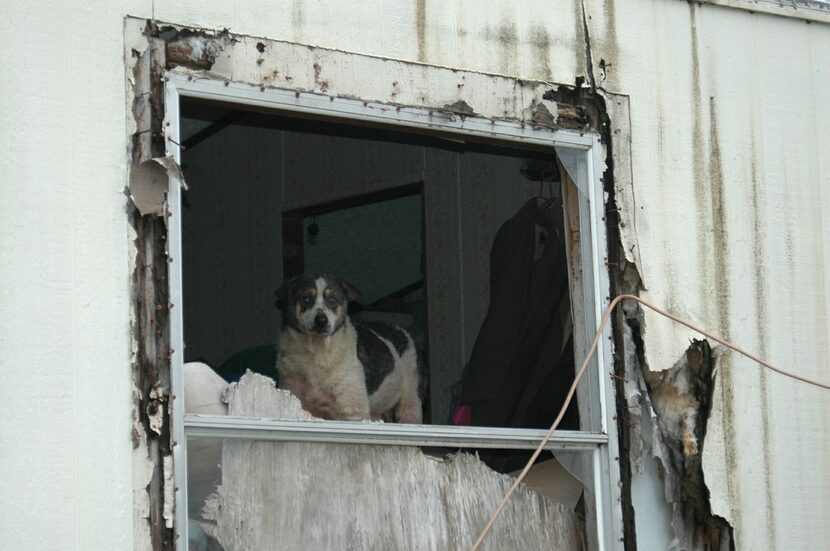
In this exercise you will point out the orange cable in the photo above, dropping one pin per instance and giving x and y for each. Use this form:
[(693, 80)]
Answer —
[(606, 315)]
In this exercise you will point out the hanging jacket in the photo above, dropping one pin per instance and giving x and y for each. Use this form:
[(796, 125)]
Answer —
[(522, 363)]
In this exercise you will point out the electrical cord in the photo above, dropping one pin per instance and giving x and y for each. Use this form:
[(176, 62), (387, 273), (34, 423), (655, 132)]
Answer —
[(582, 368)]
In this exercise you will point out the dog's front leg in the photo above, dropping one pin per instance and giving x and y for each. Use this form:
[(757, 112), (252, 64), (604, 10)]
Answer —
[(352, 400), (295, 384), (353, 409)]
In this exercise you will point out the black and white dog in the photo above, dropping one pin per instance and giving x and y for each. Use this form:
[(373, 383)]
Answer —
[(341, 369)]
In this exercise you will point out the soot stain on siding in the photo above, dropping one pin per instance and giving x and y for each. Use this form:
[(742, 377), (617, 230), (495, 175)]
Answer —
[(298, 21), (759, 261), (540, 40), (611, 49), (507, 38), (420, 29), (720, 221), (722, 294), (699, 155)]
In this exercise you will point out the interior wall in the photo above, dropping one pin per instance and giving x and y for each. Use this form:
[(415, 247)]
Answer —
[(376, 247), (233, 244), (242, 178)]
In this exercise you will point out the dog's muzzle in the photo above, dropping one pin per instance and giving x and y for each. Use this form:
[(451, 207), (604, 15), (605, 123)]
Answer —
[(321, 323)]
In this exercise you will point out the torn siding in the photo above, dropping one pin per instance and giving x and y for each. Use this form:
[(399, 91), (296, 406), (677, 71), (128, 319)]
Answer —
[(727, 209), (681, 399), (769, 96), (290, 495), (702, 170), (221, 55), (138, 117), (153, 484), (270, 63), (149, 182), (667, 416)]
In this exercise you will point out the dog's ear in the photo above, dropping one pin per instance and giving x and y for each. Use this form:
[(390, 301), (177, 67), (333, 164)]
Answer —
[(352, 293), (284, 292)]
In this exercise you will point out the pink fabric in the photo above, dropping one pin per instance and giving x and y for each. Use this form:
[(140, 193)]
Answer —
[(463, 415)]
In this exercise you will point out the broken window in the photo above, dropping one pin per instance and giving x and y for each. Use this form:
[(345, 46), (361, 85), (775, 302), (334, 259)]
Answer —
[(479, 238)]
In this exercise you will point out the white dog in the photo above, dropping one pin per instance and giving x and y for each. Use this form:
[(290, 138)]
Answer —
[(339, 369)]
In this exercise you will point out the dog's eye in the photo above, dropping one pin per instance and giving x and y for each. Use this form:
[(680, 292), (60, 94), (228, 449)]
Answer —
[(332, 302), (306, 300)]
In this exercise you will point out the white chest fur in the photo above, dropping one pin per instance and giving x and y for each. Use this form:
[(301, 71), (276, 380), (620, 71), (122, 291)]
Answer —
[(324, 373)]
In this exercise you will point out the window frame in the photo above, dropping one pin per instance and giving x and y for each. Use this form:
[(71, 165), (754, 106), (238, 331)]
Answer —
[(581, 153)]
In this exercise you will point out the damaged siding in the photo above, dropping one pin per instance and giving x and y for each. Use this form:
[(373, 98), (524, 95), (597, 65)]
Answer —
[(149, 175), (727, 210), (700, 79), (667, 203)]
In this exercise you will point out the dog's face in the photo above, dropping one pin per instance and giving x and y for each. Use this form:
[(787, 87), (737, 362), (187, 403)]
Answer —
[(315, 304)]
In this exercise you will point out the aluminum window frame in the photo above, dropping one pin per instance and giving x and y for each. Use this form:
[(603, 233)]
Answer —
[(583, 157)]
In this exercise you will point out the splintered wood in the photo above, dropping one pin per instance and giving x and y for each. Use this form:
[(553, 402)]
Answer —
[(290, 495)]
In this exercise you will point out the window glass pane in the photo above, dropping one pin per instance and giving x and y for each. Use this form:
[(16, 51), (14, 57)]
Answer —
[(464, 246)]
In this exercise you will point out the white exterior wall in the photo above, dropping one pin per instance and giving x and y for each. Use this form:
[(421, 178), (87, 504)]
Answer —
[(65, 422), (727, 219)]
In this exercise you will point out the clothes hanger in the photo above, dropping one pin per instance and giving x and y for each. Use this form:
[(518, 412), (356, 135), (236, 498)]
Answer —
[(545, 213)]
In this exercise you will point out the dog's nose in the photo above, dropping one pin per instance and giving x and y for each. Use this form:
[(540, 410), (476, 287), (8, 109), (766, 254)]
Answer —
[(321, 321)]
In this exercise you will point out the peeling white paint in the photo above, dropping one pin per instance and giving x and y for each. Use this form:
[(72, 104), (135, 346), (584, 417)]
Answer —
[(142, 466), (169, 492), (135, 37), (142, 473), (156, 415), (285, 65)]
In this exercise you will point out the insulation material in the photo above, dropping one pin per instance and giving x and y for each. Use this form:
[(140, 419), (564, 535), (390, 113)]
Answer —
[(289, 495), (669, 418), (681, 397)]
